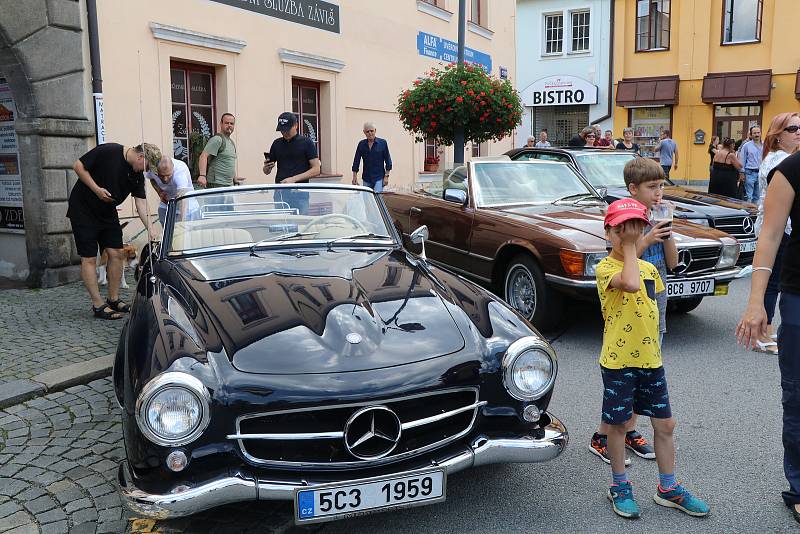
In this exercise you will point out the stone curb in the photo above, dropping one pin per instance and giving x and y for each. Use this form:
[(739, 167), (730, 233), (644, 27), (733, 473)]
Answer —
[(18, 391)]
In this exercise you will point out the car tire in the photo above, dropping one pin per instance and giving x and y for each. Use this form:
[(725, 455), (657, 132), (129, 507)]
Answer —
[(524, 289), (686, 305)]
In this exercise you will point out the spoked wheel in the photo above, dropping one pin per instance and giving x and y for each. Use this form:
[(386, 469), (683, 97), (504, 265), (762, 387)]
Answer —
[(526, 291)]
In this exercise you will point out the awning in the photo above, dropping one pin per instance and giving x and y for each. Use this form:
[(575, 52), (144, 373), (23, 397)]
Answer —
[(797, 85), (745, 86), (656, 91)]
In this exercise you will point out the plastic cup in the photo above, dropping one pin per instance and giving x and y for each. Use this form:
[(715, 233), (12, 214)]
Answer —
[(660, 213)]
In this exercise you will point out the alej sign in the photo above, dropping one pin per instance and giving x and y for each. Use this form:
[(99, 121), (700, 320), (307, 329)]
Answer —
[(559, 91)]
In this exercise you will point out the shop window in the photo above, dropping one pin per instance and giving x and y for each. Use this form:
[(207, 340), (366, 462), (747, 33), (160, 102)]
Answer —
[(193, 95), (305, 105), (741, 21), (580, 31), (553, 34), (477, 12), (652, 25), (476, 150), (561, 122), (431, 150), (735, 121), (647, 124)]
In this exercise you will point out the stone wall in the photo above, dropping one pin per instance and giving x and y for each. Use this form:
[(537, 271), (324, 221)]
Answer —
[(41, 56)]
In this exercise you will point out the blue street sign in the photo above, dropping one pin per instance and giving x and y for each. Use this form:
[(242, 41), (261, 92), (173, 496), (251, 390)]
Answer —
[(445, 50)]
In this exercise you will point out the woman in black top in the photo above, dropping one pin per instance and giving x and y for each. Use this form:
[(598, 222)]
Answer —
[(781, 202), (627, 141), (712, 150), (725, 171)]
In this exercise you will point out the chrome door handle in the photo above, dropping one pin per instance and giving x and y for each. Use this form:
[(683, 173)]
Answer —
[(415, 209)]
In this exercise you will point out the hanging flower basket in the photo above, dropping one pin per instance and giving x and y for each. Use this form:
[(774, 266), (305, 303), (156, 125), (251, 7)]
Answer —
[(487, 108)]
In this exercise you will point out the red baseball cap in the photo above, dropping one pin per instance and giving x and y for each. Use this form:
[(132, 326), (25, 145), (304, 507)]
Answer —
[(625, 209)]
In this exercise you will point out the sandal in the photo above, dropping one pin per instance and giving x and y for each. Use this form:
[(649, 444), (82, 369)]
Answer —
[(770, 347), (118, 305), (106, 312)]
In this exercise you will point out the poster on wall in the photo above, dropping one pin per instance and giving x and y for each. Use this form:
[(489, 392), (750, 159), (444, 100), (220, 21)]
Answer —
[(11, 217)]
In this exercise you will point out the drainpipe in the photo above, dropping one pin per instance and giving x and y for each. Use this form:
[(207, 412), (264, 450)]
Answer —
[(97, 78), (610, 68)]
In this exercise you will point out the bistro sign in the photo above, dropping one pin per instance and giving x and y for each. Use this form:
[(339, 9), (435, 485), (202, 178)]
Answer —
[(559, 91), (314, 13)]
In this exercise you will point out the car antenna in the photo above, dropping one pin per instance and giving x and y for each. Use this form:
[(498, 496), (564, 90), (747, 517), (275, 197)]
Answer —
[(152, 277)]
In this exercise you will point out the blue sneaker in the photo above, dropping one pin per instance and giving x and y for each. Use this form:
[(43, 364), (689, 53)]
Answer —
[(621, 497), (680, 498)]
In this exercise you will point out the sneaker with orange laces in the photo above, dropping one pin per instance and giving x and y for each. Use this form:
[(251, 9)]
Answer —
[(599, 446), (639, 445)]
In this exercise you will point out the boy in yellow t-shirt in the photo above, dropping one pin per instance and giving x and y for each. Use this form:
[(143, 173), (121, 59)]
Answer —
[(630, 361)]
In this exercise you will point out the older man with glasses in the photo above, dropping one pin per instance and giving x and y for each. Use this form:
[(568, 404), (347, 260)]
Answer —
[(170, 179), (377, 160)]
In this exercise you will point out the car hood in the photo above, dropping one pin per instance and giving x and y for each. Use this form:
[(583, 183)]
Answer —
[(576, 223), (324, 311), (690, 204), (558, 218)]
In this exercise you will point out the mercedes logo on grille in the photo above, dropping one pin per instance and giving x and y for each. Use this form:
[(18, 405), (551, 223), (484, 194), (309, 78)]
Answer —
[(747, 225), (684, 261), (372, 432)]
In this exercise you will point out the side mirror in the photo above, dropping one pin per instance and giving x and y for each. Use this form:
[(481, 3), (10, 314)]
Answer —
[(418, 237), (458, 196)]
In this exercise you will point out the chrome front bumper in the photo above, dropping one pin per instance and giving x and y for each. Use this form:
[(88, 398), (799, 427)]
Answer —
[(183, 501), (720, 276)]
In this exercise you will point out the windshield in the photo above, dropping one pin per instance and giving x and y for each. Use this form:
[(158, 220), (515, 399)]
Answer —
[(275, 217), (525, 183), (603, 170)]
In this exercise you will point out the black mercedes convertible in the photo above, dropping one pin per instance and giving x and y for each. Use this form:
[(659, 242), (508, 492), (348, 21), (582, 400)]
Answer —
[(283, 345)]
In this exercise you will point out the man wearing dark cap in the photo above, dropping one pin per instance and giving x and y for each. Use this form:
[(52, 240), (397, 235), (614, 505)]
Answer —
[(296, 156)]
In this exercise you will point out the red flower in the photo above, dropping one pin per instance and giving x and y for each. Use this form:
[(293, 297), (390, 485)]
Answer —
[(509, 106), (483, 94), (449, 108), (438, 83), (439, 101), (491, 91), (463, 82), (416, 82), (459, 99), (499, 120), (421, 109), (433, 124), (470, 92)]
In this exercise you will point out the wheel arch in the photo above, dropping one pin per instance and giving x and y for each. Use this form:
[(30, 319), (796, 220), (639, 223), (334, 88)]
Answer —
[(504, 255)]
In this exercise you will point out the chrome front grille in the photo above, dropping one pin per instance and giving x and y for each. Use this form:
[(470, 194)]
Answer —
[(696, 260), (315, 437), (738, 227)]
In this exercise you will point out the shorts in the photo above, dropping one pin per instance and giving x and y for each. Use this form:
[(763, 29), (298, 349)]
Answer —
[(631, 389), (87, 238)]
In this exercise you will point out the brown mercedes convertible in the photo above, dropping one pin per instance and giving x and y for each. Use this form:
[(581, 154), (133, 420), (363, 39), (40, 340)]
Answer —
[(533, 232)]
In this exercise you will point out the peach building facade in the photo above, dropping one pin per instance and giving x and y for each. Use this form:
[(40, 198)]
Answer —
[(170, 68)]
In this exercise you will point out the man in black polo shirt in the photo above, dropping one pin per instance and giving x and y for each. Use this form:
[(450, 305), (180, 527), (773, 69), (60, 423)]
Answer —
[(296, 156), (107, 174)]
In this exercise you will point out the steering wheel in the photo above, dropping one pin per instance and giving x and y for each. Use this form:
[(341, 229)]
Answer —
[(322, 219)]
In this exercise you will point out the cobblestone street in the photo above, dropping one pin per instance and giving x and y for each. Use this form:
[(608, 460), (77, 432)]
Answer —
[(59, 456), (50, 328)]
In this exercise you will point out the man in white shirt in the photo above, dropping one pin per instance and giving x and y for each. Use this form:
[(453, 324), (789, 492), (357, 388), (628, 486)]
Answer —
[(172, 178)]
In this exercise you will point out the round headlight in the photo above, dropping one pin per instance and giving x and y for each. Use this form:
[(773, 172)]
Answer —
[(173, 409), (173, 413), (529, 369)]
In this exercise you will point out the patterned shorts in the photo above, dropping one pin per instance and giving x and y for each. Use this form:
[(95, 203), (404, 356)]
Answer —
[(632, 389)]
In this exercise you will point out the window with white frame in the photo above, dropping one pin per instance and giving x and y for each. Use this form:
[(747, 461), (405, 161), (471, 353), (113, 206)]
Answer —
[(554, 33), (580, 31), (742, 21)]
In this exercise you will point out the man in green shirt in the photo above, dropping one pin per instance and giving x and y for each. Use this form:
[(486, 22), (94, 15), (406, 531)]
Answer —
[(220, 149)]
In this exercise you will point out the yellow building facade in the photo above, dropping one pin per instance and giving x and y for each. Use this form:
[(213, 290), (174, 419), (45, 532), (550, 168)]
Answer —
[(702, 68)]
